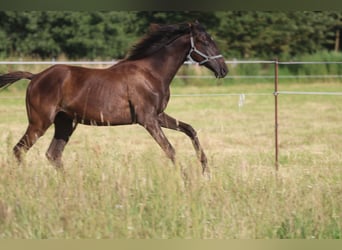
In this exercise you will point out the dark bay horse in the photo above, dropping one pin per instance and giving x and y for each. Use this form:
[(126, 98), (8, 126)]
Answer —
[(136, 90)]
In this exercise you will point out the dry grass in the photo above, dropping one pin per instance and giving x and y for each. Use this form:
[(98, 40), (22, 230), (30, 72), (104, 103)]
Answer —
[(119, 184)]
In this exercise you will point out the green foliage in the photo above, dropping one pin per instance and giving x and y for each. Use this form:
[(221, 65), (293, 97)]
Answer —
[(75, 34), (109, 34), (251, 34)]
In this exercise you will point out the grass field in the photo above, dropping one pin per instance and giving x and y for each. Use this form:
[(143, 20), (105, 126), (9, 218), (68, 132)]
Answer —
[(119, 184)]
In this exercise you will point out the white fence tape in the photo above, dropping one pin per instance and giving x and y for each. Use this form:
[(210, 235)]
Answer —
[(306, 93)]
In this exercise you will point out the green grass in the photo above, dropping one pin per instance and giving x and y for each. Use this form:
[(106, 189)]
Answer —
[(119, 184)]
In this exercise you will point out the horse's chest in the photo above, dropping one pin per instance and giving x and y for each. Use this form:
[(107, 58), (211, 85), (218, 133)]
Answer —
[(165, 101)]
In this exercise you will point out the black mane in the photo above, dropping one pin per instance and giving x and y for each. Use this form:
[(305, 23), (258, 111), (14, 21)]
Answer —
[(158, 37)]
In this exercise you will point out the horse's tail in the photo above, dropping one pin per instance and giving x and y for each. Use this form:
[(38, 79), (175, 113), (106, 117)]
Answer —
[(9, 78)]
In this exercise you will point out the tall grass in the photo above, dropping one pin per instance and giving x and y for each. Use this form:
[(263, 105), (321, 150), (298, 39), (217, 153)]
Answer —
[(118, 183)]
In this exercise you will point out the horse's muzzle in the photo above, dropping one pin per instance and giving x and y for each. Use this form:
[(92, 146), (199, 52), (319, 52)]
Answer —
[(222, 72)]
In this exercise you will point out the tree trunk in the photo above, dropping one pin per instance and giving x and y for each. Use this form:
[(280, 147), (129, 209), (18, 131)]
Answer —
[(337, 41)]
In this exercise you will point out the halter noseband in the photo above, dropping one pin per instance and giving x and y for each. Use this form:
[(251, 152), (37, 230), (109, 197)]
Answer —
[(193, 49)]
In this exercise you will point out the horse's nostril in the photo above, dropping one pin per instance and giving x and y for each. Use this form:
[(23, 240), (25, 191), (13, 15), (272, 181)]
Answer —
[(224, 72)]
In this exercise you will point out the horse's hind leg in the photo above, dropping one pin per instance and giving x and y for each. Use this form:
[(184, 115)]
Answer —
[(63, 130), (33, 132)]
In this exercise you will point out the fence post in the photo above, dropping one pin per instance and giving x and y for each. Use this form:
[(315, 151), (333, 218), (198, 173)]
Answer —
[(276, 64)]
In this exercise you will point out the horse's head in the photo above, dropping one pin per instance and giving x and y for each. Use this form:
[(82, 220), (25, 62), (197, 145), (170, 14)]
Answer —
[(205, 52)]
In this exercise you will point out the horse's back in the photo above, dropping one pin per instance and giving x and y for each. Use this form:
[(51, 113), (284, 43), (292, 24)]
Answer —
[(62, 79)]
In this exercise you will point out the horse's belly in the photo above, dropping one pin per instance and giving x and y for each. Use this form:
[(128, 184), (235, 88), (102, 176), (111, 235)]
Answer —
[(98, 117)]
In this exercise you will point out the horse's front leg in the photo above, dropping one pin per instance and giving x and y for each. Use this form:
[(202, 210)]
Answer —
[(153, 127), (169, 122)]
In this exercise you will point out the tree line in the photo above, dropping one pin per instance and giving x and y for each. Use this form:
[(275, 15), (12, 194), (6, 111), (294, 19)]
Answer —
[(110, 34)]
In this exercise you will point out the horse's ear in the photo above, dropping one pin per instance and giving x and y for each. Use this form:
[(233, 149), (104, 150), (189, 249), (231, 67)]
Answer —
[(195, 23), (153, 27)]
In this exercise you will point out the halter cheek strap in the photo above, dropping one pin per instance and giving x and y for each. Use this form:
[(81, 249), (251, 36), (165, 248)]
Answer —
[(195, 50)]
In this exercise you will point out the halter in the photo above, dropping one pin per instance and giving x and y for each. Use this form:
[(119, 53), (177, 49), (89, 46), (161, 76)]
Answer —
[(193, 49)]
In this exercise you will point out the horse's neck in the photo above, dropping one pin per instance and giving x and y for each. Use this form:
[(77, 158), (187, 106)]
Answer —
[(169, 59), (165, 63)]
